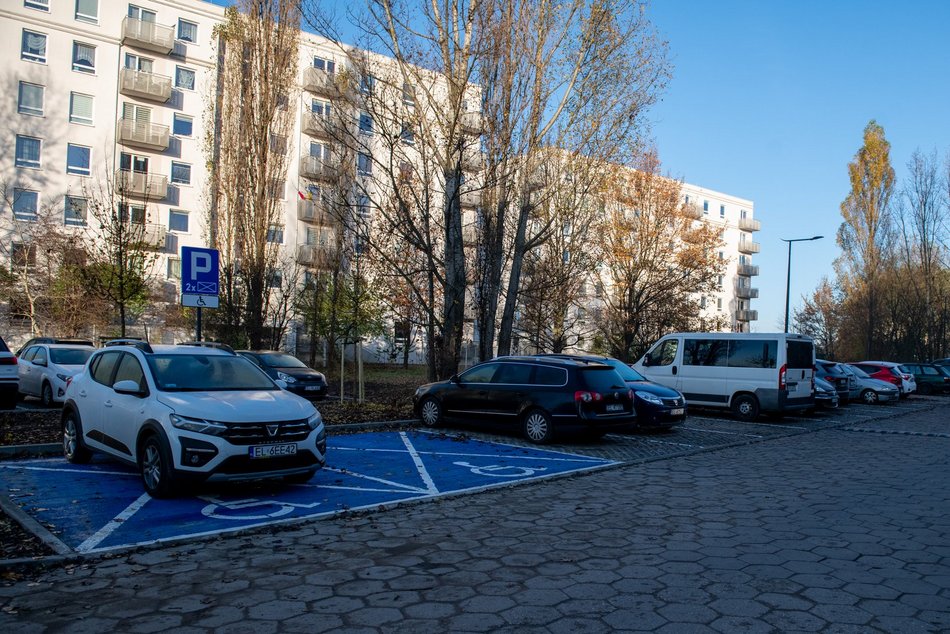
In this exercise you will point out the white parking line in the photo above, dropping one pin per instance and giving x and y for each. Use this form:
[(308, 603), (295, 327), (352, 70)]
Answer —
[(772, 425), (728, 433), (667, 442), (113, 524), (423, 473)]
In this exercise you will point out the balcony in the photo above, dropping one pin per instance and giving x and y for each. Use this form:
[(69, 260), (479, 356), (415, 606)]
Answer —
[(747, 292), (319, 81), (148, 35), (317, 126), (472, 160), (316, 168), (152, 236), (141, 184), (749, 224), (747, 269), (471, 123), (143, 134), (748, 247), (136, 83), (747, 315), (317, 256), (313, 212), (471, 199)]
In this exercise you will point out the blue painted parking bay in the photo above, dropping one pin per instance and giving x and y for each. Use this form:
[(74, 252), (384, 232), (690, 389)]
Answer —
[(102, 506)]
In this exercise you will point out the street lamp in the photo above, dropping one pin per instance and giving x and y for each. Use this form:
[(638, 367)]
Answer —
[(788, 275)]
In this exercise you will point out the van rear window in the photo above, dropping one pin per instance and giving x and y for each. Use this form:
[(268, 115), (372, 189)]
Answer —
[(801, 355), (753, 353)]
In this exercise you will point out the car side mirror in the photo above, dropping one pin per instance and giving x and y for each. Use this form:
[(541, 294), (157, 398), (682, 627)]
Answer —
[(647, 361), (128, 386), (41, 362)]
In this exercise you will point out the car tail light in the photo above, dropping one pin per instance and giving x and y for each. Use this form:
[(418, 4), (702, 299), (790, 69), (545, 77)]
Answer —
[(8, 361), (781, 378), (581, 396)]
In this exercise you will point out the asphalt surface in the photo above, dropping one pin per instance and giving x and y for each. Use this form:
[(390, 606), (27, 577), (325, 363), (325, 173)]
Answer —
[(837, 523)]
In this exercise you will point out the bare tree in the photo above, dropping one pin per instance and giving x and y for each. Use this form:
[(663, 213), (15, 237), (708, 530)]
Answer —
[(257, 75), (819, 319)]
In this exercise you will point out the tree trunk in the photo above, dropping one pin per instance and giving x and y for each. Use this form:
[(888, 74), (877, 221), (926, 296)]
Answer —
[(514, 281)]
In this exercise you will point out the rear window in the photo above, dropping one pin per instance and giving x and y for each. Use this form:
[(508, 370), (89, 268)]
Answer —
[(754, 353), (600, 379), (546, 375), (67, 356), (3, 346), (801, 355)]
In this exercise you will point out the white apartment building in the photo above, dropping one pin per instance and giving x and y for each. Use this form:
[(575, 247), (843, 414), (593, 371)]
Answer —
[(115, 93)]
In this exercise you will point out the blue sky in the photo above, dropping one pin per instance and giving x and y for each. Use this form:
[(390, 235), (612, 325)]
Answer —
[(769, 100)]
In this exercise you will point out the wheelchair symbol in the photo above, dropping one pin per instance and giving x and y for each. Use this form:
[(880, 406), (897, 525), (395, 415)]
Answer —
[(221, 510), (500, 471)]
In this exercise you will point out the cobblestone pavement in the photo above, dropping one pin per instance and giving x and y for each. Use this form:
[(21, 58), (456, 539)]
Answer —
[(838, 527)]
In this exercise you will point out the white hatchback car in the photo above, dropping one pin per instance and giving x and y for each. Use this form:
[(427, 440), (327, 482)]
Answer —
[(8, 377), (189, 413), (45, 368)]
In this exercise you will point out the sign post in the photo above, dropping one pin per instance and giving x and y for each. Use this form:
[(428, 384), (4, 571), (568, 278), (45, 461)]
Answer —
[(199, 281)]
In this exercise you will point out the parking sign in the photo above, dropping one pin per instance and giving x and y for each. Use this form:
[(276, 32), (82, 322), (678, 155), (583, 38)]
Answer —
[(199, 277)]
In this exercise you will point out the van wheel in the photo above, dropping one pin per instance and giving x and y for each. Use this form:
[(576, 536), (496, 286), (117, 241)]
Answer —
[(537, 427), (745, 407)]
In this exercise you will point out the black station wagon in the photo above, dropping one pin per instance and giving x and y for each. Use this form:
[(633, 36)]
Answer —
[(536, 395)]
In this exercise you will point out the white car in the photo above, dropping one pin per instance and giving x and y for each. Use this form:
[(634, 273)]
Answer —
[(188, 413), (44, 370), (8, 377)]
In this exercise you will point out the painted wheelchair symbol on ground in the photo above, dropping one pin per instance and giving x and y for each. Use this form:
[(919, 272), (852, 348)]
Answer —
[(101, 506)]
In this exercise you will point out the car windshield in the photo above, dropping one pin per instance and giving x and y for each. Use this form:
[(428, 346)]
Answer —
[(69, 356), (206, 372), (282, 360), (858, 372), (942, 370), (625, 371)]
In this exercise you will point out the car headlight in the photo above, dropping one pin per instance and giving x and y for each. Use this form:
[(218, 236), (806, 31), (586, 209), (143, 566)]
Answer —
[(286, 378), (649, 398), (321, 377), (197, 425), (62, 377), (314, 421)]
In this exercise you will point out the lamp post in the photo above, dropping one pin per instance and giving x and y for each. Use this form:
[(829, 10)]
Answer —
[(788, 274)]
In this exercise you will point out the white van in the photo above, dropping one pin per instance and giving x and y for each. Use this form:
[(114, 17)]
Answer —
[(748, 373)]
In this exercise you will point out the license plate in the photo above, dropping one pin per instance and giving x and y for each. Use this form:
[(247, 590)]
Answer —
[(272, 451), (615, 407), (312, 388), (679, 411)]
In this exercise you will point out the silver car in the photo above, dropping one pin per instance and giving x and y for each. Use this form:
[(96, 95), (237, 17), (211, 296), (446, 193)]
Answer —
[(45, 368), (872, 390)]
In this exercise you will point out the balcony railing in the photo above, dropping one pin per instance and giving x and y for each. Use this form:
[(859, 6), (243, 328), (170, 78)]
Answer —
[(312, 211), (748, 269), (141, 184), (319, 81), (316, 126), (748, 246), (749, 224), (316, 255), (316, 168), (471, 122), (148, 35), (747, 315), (471, 199), (143, 133), (747, 292), (137, 83)]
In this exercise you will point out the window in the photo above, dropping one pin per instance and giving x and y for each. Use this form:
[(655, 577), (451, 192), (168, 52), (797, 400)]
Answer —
[(702, 304), (42, 5), (181, 173), (367, 83), (513, 373), (130, 370), (136, 62), (663, 354), (30, 99), (408, 94), (319, 150), (23, 254), (324, 64), (75, 215), (141, 14), (25, 204), (687, 199), (78, 160), (80, 108), (173, 272), (364, 163), (366, 123), (84, 57), (705, 206), (706, 352), (363, 207), (187, 31), (275, 279), (178, 221), (722, 211), (275, 234), (722, 255), (407, 135), (182, 125), (320, 108), (87, 11), (753, 353), (282, 101), (27, 151), (719, 283), (134, 214), (33, 47), (278, 143), (184, 78), (719, 304), (479, 374), (103, 366)]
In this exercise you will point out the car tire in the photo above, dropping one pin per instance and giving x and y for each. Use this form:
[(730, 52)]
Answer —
[(46, 395), (300, 478), (925, 389), (430, 412), (537, 428), (155, 466), (74, 450), (869, 397), (745, 407)]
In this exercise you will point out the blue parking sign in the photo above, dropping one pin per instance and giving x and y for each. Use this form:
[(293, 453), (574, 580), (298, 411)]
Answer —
[(199, 271)]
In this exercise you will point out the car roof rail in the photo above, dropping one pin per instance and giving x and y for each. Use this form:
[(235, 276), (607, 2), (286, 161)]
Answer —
[(135, 343), (209, 344)]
